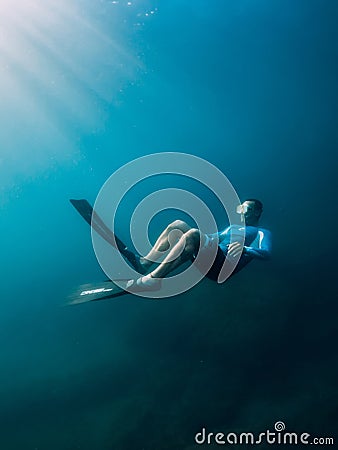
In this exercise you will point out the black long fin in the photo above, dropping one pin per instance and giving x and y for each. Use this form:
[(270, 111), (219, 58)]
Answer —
[(85, 209), (94, 292)]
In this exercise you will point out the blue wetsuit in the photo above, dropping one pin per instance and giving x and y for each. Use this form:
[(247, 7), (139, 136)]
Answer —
[(257, 244)]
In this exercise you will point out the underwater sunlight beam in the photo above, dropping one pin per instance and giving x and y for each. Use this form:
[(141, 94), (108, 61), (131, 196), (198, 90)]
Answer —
[(59, 67)]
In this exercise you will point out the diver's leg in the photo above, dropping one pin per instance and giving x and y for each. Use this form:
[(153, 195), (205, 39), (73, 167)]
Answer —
[(182, 251), (169, 237)]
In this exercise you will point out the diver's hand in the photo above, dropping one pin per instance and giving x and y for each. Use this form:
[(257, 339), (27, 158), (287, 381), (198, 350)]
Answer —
[(235, 249)]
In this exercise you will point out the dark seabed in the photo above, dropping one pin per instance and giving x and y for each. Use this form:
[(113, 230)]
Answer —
[(87, 86)]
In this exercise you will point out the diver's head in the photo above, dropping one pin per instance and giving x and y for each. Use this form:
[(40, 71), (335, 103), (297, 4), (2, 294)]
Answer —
[(250, 210)]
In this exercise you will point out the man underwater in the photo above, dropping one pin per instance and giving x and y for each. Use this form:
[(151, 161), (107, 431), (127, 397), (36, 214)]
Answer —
[(257, 245)]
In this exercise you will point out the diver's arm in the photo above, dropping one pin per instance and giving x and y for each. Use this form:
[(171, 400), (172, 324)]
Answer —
[(263, 250), (223, 234), (219, 235)]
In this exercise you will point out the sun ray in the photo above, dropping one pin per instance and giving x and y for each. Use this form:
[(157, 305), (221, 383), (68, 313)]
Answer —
[(58, 66)]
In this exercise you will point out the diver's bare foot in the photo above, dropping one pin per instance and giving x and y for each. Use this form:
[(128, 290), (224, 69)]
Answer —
[(146, 283), (145, 264)]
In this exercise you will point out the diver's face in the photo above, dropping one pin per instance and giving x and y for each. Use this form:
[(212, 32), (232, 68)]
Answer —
[(248, 212)]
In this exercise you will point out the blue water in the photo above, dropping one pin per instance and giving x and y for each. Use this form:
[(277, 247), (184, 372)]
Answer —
[(87, 87)]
